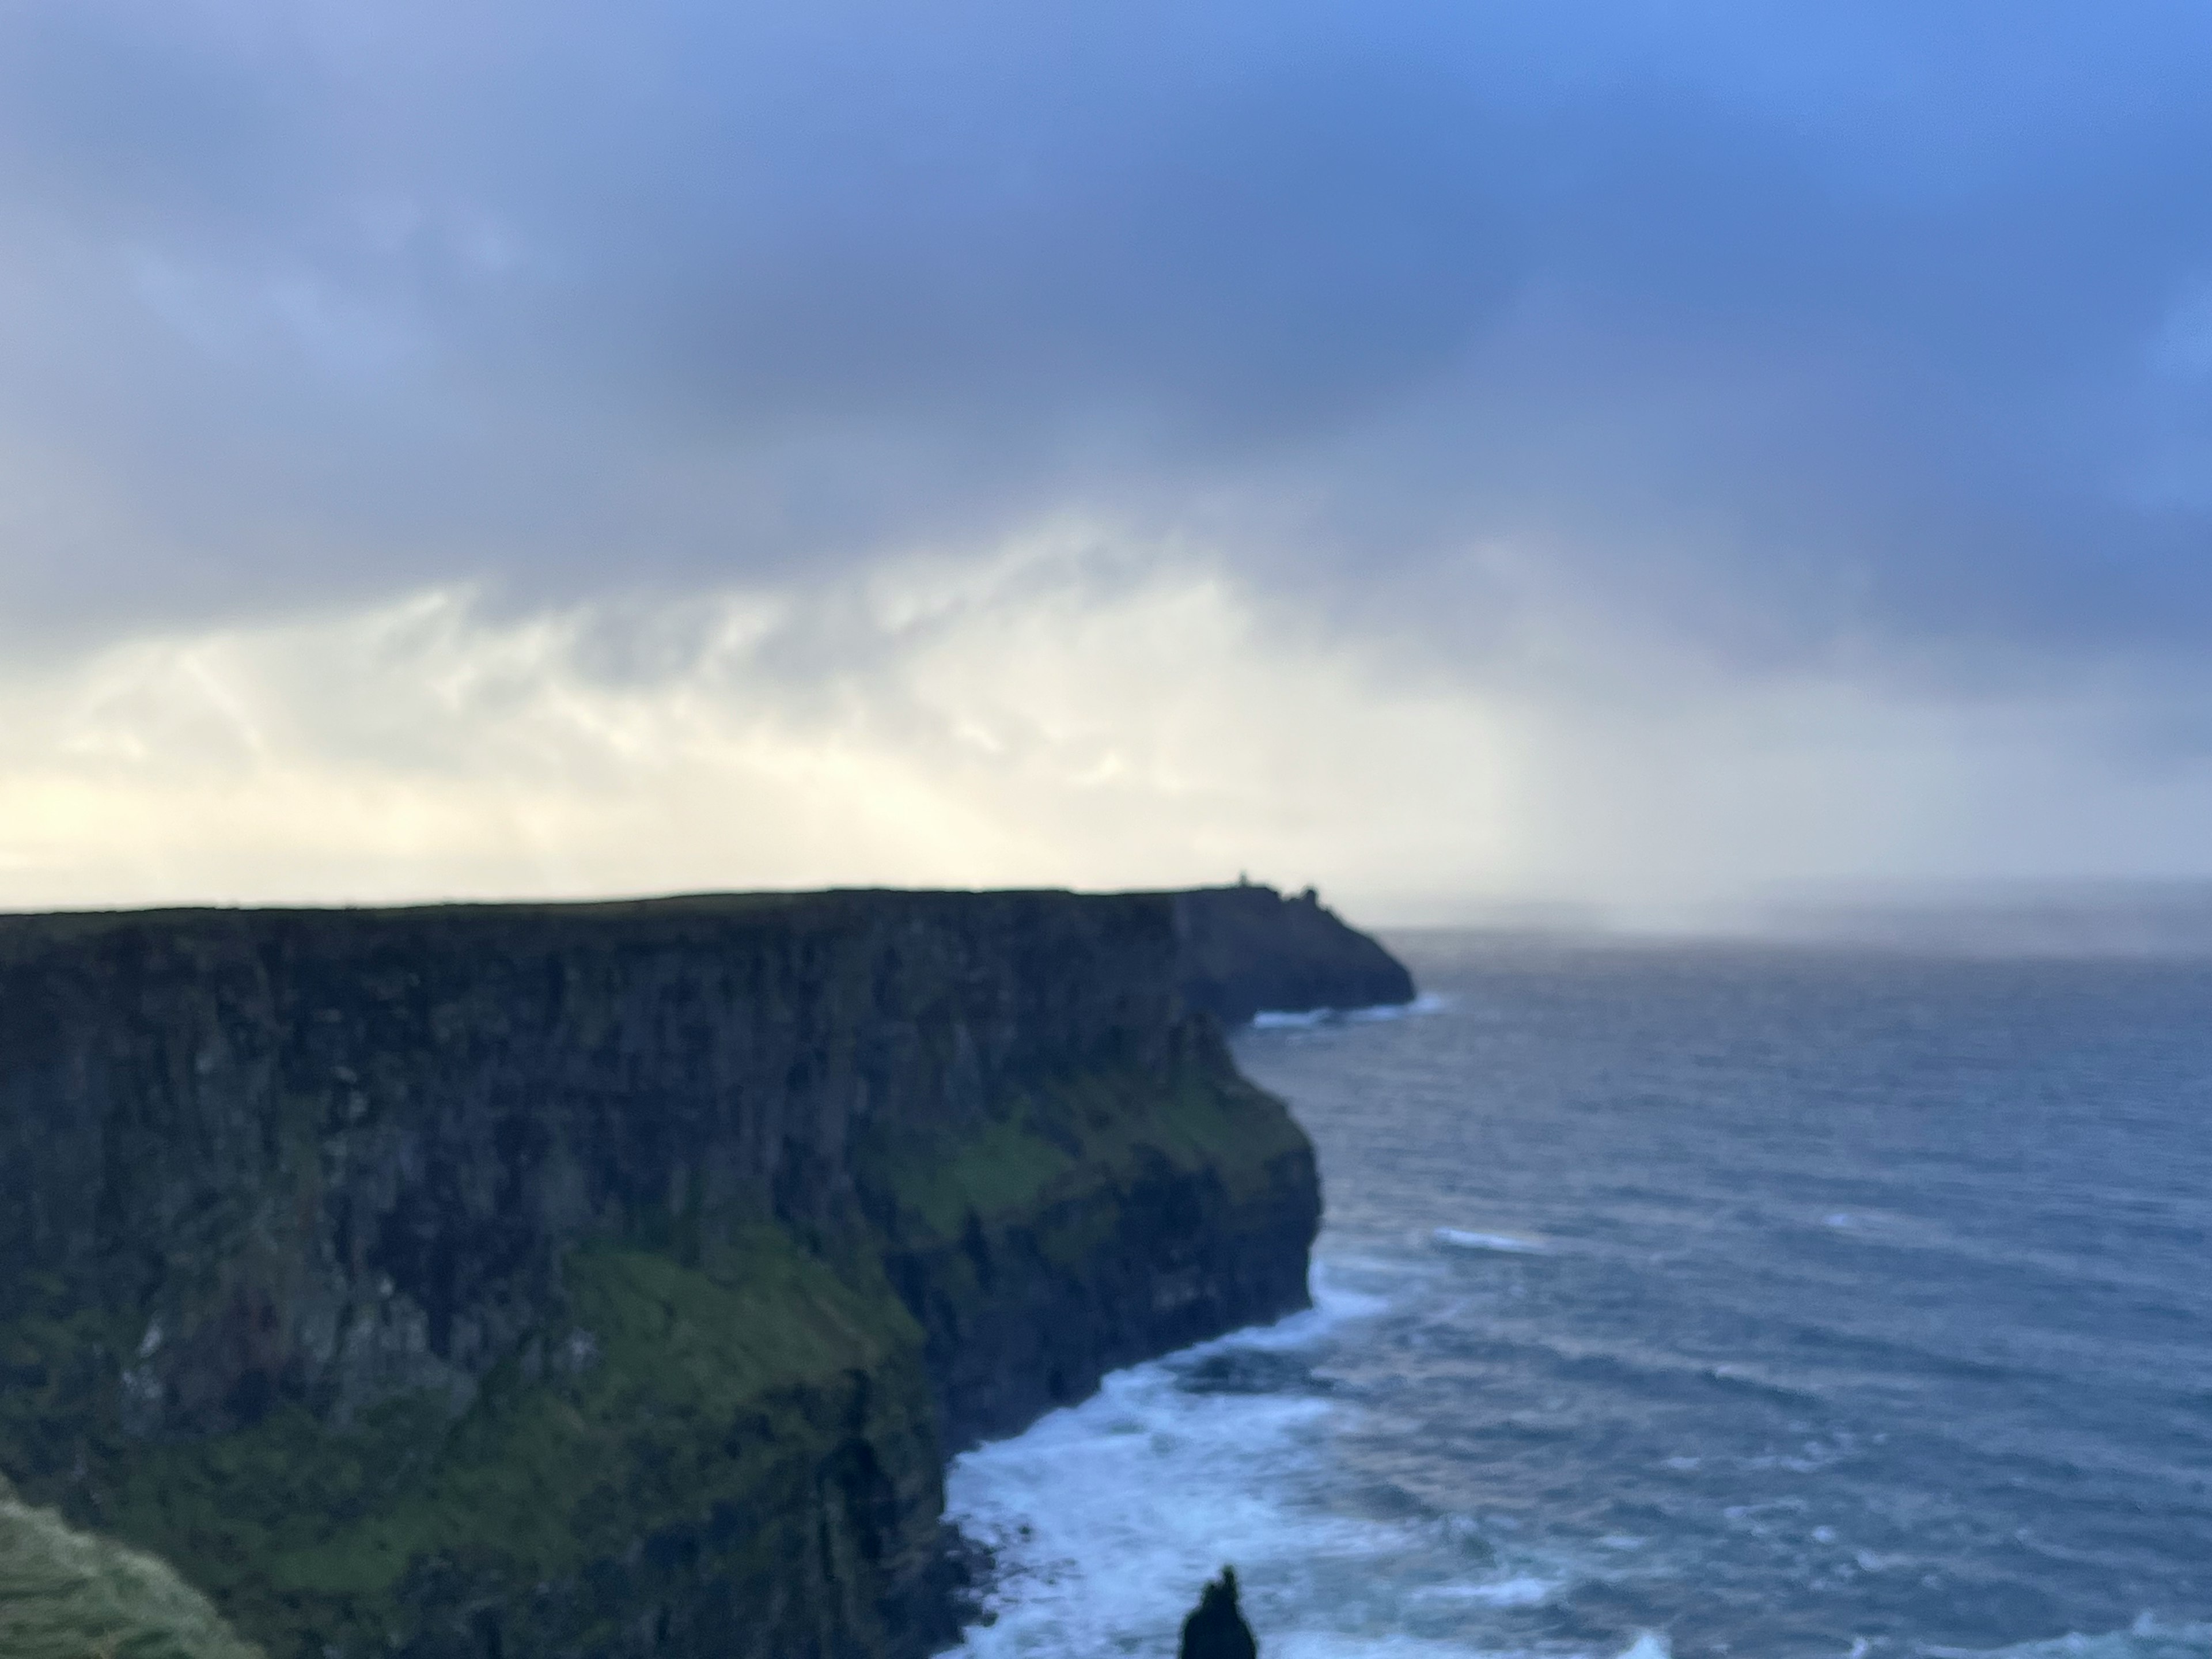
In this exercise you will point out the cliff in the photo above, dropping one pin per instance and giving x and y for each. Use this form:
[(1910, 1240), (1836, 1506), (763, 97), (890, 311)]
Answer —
[(64, 1596), (608, 1279), (1247, 949)]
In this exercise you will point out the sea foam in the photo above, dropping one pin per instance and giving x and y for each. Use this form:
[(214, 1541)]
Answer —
[(1103, 1519), (1278, 1019), (1456, 1238)]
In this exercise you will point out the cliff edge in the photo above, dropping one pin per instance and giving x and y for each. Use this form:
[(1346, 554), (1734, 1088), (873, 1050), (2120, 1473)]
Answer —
[(66, 1596), (477, 1281), (1249, 949)]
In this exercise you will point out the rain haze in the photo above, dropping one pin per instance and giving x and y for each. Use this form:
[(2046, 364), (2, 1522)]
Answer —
[(1638, 455)]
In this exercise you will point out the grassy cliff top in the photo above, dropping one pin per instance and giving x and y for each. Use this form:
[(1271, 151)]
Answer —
[(67, 1595), (686, 919), (719, 906)]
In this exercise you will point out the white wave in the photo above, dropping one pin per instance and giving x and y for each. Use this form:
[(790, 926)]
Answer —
[(1521, 1590), (1427, 1003), (2148, 1637), (1332, 1644), (1458, 1238), (1105, 1519), (1277, 1019), (1333, 1304)]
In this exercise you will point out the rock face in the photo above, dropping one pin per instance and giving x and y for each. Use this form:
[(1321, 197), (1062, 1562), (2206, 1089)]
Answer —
[(1216, 1628), (600, 1279), (1248, 949)]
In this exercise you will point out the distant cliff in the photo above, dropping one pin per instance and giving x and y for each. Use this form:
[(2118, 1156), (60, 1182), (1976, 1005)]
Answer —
[(487, 1281), (1246, 950)]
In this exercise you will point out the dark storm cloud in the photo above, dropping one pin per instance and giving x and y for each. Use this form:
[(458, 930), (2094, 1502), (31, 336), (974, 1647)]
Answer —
[(1870, 332)]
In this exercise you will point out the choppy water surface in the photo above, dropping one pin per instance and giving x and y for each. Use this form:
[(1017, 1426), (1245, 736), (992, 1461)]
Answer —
[(1718, 1299)]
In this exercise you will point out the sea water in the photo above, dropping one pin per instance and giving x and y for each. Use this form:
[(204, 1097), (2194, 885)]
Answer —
[(1685, 1298)]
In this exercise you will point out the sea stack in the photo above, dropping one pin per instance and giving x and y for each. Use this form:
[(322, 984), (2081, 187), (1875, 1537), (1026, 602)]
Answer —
[(1216, 1628)]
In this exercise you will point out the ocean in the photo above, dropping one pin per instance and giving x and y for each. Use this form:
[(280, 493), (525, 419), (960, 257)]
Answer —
[(1681, 1298)]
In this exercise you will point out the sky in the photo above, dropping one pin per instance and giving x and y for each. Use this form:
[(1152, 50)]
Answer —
[(1635, 454)]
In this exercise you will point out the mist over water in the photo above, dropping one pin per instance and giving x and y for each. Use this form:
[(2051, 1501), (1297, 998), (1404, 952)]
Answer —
[(1723, 1299)]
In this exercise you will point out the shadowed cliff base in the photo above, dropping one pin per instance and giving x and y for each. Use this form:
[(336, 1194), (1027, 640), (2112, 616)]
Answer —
[(1248, 949), (472, 1281)]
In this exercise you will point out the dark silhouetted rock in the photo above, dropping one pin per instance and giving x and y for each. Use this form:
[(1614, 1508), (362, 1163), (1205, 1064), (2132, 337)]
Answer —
[(1216, 1628), (1247, 949)]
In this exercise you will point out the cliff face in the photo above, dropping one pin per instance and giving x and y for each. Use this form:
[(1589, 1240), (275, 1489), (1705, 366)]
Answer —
[(492, 1280), (1248, 949)]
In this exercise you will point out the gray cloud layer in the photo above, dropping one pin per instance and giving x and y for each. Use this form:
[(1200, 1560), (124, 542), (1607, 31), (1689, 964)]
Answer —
[(1876, 335)]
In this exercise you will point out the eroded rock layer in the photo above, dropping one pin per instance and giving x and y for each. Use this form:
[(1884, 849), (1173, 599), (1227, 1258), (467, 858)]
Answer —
[(494, 1280)]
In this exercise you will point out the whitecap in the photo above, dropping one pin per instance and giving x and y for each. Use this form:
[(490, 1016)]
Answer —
[(1427, 1003), (1331, 1644), (1281, 1020), (1278, 1019), (1521, 1590), (2148, 1637), (1333, 1304), (1104, 1518), (1458, 1238), (1102, 1534)]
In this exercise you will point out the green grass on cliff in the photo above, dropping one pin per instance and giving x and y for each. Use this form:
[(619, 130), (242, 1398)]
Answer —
[(1065, 1136), (668, 1389), (67, 1595)]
